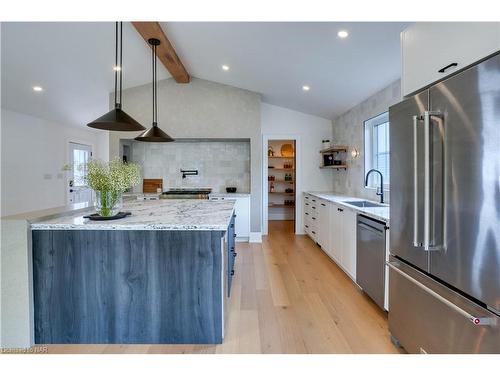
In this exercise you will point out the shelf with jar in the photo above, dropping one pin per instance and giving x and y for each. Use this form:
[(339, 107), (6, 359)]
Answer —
[(281, 176), (334, 157)]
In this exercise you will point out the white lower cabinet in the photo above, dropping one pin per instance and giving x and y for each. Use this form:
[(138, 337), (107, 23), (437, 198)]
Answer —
[(343, 238), (333, 227), (348, 260), (242, 211), (323, 224), (335, 250)]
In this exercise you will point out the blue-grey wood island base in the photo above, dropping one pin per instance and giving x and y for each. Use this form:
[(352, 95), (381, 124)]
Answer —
[(132, 283)]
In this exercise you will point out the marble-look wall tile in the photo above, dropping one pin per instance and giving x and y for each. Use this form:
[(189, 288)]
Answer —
[(219, 164), (348, 129)]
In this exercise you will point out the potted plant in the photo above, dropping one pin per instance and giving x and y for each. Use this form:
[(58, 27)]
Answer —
[(109, 181)]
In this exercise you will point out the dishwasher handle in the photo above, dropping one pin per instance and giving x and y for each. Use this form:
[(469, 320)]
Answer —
[(370, 228)]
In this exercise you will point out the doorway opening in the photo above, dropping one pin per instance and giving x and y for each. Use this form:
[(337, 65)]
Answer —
[(281, 184)]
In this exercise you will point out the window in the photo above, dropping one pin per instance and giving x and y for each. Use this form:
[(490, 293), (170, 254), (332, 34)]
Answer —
[(377, 150)]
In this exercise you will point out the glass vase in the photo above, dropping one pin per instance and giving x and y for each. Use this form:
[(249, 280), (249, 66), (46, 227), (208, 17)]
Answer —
[(108, 203)]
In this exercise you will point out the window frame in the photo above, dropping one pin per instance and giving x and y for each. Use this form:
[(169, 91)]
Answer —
[(372, 125)]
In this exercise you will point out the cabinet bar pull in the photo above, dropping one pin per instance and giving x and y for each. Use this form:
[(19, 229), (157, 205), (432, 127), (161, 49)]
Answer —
[(442, 70)]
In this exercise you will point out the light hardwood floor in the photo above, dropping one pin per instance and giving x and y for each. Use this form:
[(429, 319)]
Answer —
[(287, 297)]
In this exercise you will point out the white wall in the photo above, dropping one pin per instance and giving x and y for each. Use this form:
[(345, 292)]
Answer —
[(309, 131), (33, 151), (348, 129)]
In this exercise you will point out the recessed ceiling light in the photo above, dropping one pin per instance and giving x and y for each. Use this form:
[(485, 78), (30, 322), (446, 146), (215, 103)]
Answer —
[(117, 68), (225, 67), (306, 88), (37, 88), (342, 34)]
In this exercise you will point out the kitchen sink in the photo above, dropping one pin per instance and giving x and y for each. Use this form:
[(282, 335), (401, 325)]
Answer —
[(364, 204)]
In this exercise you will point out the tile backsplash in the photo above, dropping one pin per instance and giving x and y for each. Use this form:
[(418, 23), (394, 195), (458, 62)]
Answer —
[(219, 163), (348, 129)]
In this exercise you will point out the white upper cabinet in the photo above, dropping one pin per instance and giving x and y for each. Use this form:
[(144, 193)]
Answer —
[(433, 50)]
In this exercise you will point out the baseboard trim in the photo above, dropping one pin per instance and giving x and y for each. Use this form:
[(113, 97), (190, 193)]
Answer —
[(255, 237)]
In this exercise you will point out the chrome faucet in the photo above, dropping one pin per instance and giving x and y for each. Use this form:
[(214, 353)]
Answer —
[(381, 192)]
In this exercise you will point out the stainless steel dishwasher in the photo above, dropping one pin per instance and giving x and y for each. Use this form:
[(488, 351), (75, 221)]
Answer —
[(370, 259)]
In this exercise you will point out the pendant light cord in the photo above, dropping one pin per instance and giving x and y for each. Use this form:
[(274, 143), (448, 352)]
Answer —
[(155, 87), (116, 62), (121, 59)]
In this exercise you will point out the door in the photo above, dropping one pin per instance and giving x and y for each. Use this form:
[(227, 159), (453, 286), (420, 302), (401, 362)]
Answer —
[(468, 120), (407, 176), (78, 191)]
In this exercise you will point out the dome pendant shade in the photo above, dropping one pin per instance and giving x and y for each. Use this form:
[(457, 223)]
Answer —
[(154, 134), (116, 119)]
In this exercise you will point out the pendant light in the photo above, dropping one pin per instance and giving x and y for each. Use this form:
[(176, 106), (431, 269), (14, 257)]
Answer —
[(154, 134), (117, 119)]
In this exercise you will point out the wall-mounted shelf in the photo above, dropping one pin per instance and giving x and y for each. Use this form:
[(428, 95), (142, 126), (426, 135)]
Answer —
[(290, 181), (334, 149), (332, 154), (342, 166)]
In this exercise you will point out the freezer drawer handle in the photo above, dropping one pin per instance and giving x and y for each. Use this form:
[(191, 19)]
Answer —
[(478, 321)]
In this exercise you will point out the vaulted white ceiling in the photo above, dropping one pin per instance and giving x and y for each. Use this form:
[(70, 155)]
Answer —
[(73, 63)]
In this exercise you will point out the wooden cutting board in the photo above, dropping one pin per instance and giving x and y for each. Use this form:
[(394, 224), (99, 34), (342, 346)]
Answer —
[(150, 185)]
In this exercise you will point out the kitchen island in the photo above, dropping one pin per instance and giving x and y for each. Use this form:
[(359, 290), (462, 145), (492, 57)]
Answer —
[(159, 276)]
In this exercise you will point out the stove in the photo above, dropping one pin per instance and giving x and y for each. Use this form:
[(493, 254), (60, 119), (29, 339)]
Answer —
[(186, 193)]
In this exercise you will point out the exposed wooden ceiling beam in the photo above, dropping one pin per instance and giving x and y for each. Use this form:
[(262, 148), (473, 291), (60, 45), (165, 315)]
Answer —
[(164, 51)]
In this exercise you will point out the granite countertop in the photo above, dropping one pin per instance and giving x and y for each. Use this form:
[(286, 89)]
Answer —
[(380, 213), (229, 195), (165, 214)]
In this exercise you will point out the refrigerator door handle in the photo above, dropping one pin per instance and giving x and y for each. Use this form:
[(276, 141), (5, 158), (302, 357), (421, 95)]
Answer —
[(416, 242), (428, 222), (427, 181), (478, 321)]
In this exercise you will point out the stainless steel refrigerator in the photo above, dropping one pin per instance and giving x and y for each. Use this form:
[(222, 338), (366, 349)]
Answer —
[(444, 279)]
